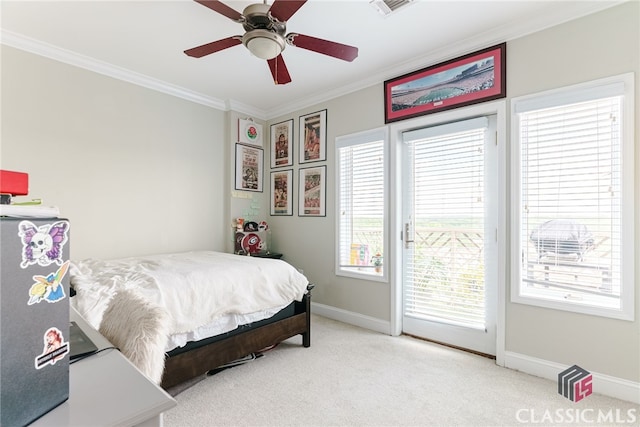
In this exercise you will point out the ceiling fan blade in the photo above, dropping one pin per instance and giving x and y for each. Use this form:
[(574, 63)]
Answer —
[(282, 10), (326, 47), (279, 70), (222, 9), (209, 48)]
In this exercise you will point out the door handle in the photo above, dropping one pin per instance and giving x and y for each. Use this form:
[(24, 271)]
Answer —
[(407, 240)]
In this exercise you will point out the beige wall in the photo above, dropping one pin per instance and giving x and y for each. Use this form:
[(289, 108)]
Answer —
[(600, 45), (134, 170)]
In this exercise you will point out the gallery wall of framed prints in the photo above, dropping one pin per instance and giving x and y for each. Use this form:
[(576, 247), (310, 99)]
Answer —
[(310, 147)]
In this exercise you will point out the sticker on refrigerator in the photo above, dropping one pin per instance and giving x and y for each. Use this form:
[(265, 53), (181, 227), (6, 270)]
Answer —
[(42, 245), (48, 288), (55, 348)]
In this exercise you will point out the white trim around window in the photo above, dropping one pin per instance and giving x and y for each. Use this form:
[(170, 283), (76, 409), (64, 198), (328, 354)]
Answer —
[(362, 205), (573, 175)]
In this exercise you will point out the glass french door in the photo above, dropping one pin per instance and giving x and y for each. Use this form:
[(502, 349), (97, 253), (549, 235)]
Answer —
[(450, 233)]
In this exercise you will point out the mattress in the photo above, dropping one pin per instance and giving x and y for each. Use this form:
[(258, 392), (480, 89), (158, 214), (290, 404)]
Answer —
[(219, 326)]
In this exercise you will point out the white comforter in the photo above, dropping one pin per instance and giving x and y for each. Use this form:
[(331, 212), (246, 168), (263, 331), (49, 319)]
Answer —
[(196, 290)]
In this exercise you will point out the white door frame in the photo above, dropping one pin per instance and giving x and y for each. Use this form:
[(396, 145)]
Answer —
[(395, 139)]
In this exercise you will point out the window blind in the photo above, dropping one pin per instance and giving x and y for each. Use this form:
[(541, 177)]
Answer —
[(361, 204), (444, 276), (571, 201)]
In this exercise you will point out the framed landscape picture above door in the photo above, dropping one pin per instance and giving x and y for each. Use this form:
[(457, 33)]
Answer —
[(477, 77)]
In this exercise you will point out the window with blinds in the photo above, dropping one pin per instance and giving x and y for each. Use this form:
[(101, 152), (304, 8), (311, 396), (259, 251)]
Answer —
[(573, 198), (445, 267), (361, 204)]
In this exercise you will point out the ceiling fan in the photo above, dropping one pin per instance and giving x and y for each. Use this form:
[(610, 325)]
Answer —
[(265, 37)]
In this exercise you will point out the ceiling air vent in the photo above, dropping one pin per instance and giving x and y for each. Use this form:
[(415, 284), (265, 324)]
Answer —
[(386, 7)]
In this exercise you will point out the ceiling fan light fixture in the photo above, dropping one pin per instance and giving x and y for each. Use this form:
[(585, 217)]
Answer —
[(264, 48), (263, 43)]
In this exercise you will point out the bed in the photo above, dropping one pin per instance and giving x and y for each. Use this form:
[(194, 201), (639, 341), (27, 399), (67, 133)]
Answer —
[(178, 316)]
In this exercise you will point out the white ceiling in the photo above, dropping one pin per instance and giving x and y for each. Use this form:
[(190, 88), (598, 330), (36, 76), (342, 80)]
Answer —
[(143, 42)]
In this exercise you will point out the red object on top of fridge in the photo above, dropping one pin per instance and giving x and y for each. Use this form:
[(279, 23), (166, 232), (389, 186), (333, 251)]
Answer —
[(14, 183)]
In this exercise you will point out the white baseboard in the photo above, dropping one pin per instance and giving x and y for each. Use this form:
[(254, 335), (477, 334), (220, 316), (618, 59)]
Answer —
[(351, 318), (602, 384)]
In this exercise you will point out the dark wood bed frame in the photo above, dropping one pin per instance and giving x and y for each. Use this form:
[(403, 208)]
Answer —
[(198, 361)]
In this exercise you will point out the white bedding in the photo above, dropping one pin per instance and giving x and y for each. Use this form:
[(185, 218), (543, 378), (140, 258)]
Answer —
[(202, 293)]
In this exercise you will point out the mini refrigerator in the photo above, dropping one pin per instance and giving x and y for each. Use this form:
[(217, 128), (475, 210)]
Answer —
[(34, 317)]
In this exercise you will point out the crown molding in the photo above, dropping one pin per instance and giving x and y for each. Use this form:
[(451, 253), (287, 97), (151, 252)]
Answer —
[(37, 47), (251, 111)]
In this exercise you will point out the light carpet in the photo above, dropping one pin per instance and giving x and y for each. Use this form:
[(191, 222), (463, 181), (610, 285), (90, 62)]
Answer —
[(355, 377)]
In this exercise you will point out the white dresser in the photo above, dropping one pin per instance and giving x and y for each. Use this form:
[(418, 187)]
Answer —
[(105, 389)]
